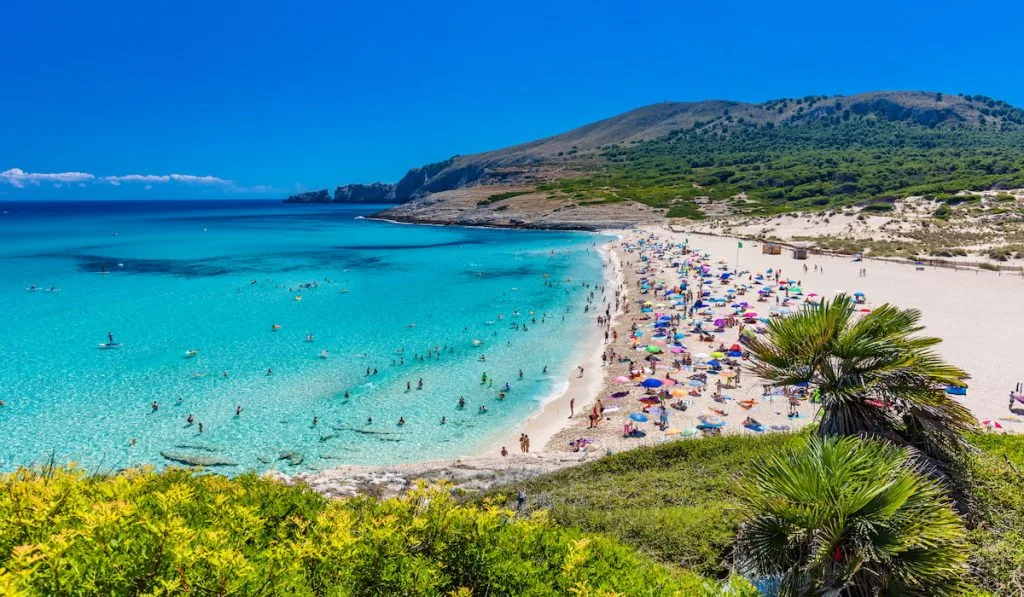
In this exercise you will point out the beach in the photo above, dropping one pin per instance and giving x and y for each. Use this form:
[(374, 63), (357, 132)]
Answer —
[(969, 309)]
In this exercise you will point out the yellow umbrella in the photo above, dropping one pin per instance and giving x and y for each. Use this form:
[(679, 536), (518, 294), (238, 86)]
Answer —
[(678, 392), (717, 355)]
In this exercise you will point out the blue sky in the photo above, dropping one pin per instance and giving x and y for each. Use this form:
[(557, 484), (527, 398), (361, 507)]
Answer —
[(258, 99)]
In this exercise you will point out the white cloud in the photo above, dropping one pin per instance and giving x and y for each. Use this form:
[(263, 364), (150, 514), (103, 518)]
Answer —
[(164, 178), (17, 177)]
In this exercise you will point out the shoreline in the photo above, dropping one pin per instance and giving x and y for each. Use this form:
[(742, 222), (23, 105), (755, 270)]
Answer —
[(547, 421)]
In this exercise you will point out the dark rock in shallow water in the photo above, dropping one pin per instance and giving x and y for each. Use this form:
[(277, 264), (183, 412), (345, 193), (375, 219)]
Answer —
[(293, 457), (197, 459), (201, 447)]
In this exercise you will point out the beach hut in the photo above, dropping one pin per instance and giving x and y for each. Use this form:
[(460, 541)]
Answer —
[(800, 250), (771, 249)]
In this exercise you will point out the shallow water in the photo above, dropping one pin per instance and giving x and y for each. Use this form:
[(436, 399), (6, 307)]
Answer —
[(215, 276)]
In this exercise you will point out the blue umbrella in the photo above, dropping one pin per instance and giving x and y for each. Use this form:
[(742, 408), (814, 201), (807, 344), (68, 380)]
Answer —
[(714, 364), (639, 417), (651, 382), (734, 353)]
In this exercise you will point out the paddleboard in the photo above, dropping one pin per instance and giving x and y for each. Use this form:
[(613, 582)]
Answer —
[(110, 345)]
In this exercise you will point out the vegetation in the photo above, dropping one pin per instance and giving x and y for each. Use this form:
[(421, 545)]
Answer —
[(682, 503), (827, 163), (849, 517), (65, 533), (874, 375), (491, 199)]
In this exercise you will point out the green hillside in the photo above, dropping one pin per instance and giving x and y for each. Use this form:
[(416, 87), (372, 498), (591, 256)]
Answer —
[(819, 160)]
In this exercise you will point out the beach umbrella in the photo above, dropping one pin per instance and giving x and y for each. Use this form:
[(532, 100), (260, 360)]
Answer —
[(858, 293), (690, 432), (750, 314), (620, 379), (651, 382), (734, 354), (717, 355), (653, 349), (728, 374), (639, 417), (701, 356), (678, 392), (696, 383), (714, 421), (991, 424)]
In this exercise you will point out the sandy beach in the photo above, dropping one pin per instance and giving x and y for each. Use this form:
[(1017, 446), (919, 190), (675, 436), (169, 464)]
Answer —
[(969, 309)]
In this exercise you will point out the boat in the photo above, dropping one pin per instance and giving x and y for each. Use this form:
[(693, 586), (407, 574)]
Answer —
[(324, 354), (191, 353), (275, 327), (298, 297), (108, 345)]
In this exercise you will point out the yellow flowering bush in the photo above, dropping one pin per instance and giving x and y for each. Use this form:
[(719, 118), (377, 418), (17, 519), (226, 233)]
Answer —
[(141, 532)]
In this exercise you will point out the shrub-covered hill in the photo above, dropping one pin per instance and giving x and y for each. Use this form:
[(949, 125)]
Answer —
[(771, 157), (175, 532)]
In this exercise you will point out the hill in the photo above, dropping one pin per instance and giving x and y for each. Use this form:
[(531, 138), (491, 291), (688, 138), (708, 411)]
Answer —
[(773, 157)]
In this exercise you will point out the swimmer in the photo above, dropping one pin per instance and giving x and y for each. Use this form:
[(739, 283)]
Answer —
[(444, 420), (155, 406), (401, 421), (369, 420), (190, 419), (238, 410), (200, 428), (269, 372), (462, 402), (315, 421)]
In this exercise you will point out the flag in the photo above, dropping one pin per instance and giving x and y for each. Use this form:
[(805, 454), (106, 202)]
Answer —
[(740, 245)]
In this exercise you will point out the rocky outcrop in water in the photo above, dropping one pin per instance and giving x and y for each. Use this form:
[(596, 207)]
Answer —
[(321, 196)]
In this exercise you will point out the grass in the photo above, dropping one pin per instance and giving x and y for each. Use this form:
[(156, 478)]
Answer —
[(679, 503), (676, 503)]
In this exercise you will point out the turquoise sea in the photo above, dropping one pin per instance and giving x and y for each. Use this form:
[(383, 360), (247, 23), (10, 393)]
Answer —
[(169, 277)]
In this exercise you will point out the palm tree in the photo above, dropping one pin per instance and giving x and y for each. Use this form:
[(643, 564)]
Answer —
[(849, 517), (874, 375)]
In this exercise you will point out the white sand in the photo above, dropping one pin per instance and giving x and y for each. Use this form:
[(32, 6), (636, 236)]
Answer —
[(975, 312)]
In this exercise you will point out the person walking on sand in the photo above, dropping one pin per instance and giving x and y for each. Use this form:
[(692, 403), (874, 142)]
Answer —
[(526, 441), (522, 442), (580, 367), (572, 407), (504, 452)]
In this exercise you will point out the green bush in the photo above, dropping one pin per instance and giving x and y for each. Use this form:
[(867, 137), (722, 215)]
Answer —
[(65, 533)]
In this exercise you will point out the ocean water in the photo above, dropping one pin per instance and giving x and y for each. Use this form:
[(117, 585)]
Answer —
[(169, 277)]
